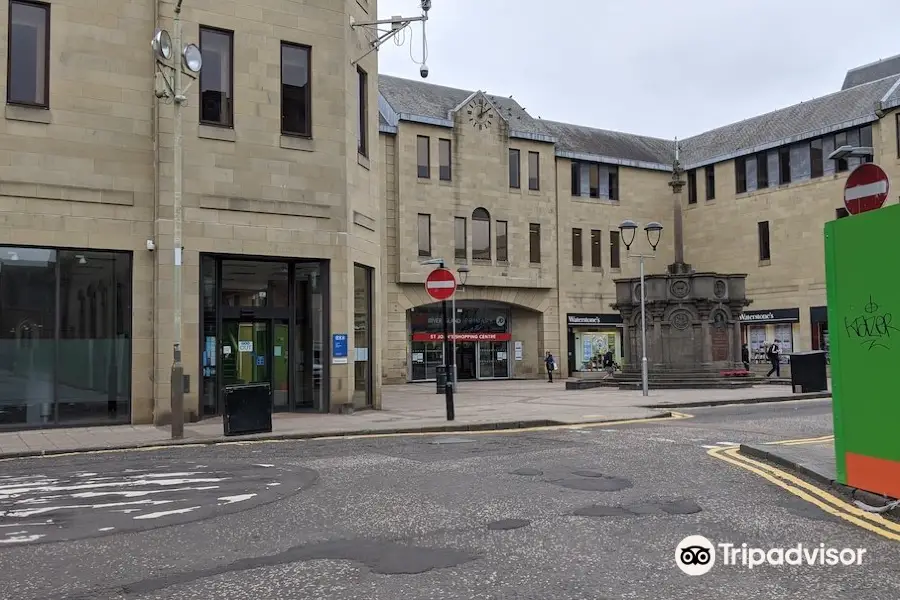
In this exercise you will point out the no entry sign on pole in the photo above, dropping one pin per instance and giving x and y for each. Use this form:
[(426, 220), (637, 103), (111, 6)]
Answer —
[(866, 189), (440, 284)]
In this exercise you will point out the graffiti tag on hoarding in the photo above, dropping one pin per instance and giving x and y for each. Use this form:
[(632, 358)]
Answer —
[(873, 328)]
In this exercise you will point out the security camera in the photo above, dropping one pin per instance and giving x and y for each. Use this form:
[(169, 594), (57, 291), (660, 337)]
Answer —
[(423, 71), (426, 5), (151, 245)]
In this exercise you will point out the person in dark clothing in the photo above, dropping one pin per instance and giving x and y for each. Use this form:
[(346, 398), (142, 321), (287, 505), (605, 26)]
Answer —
[(774, 354), (551, 365), (745, 357)]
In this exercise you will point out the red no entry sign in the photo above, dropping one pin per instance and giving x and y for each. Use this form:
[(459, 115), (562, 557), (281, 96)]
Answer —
[(866, 189), (440, 284)]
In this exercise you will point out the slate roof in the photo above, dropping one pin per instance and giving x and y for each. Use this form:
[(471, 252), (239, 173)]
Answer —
[(614, 144), (796, 122), (872, 72), (411, 97)]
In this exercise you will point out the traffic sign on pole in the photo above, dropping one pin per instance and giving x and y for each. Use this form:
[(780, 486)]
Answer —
[(866, 188), (441, 284)]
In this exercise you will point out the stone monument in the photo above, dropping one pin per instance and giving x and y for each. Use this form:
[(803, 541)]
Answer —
[(693, 318)]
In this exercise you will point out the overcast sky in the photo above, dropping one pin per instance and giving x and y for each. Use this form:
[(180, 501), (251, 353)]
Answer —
[(652, 67)]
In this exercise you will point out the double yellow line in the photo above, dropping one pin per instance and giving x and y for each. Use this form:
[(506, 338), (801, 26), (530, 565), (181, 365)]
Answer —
[(826, 501)]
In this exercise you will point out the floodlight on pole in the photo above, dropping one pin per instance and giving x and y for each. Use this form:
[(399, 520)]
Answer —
[(174, 60), (378, 36)]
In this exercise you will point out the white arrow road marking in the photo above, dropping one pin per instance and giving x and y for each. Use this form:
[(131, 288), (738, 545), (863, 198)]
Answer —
[(233, 499), (868, 189), (39, 511)]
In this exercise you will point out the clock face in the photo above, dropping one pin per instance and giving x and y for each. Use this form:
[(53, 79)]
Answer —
[(480, 113)]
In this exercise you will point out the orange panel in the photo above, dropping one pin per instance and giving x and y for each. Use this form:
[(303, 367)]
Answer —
[(877, 475)]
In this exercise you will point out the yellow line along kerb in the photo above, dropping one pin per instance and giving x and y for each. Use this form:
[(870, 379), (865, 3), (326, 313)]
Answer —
[(810, 493)]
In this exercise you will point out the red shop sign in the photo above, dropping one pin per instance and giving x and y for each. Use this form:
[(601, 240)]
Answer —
[(463, 337)]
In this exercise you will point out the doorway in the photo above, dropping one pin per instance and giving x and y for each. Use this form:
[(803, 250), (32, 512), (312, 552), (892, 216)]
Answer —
[(256, 351), (465, 360)]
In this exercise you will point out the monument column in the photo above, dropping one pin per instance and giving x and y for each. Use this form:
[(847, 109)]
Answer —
[(679, 267)]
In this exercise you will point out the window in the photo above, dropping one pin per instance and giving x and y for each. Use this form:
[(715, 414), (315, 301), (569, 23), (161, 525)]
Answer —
[(216, 84), (840, 213), (840, 164), (740, 175), (784, 165), (296, 99), (481, 234), (692, 186), (816, 160), (612, 176), (27, 73), (865, 140), (502, 241), (514, 169), (363, 303), (711, 182), (595, 180), (577, 259), (614, 258), (459, 234), (423, 156), (762, 171), (534, 171), (898, 134), (444, 160), (362, 102), (765, 251), (424, 235), (596, 241), (534, 243)]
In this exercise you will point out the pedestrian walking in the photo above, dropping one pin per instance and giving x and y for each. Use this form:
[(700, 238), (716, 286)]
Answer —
[(774, 355), (550, 363), (745, 357)]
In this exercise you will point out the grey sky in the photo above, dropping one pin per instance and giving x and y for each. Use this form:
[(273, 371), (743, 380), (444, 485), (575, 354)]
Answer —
[(652, 67)]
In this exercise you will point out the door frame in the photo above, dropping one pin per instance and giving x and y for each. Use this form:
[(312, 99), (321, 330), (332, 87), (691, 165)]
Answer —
[(270, 358)]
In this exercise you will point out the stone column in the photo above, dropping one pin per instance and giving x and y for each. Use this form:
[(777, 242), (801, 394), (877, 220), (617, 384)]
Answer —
[(736, 346)]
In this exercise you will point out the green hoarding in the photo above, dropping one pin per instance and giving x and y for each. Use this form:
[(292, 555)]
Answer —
[(862, 268)]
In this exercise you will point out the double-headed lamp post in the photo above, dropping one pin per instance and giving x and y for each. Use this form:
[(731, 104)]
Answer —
[(628, 229), (173, 60), (463, 272)]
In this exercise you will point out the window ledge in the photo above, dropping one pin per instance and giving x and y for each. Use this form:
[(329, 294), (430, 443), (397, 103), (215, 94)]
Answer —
[(363, 161), (482, 261), (30, 114), (577, 268), (597, 270), (592, 200), (291, 142), (460, 261), (535, 265), (765, 263), (532, 192), (214, 132), (445, 182), (423, 180), (502, 263), (615, 270)]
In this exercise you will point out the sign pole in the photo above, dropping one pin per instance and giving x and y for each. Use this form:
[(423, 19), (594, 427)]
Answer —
[(453, 310), (448, 382)]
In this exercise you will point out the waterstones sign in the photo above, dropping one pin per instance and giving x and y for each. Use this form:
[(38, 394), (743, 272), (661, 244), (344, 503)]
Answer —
[(776, 315), (582, 320)]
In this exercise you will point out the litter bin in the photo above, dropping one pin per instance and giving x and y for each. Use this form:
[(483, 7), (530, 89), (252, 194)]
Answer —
[(441, 376), (248, 409), (808, 372)]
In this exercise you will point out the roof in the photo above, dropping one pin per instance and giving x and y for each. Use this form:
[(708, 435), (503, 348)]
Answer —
[(586, 140), (835, 111), (879, 69), (409, 97)]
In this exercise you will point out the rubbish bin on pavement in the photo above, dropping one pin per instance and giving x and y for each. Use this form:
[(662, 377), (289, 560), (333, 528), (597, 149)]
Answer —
[(248, 409), (808, 373), (441, 376)]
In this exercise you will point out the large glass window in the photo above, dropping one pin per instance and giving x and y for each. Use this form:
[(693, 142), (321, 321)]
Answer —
[(296, 97), (362, 335), (254, 283), (481, 234), (216, 86), (28, 61), (65, 336)]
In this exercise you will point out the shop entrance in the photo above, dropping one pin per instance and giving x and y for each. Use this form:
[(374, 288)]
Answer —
[(263, 322), (466, 360)]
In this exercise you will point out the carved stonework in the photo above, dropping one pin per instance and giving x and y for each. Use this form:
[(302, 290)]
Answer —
[(680, 319), (681, 288), (720, 289), (719, 320), (637, 293)]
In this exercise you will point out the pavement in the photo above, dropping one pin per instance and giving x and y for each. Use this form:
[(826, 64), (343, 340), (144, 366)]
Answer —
[(578, 513), (412, 407)]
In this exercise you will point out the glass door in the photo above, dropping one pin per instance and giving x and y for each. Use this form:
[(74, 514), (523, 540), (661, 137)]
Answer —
[(246, 352), (280, 365), (485, 360), (501, 359), (465, 360)]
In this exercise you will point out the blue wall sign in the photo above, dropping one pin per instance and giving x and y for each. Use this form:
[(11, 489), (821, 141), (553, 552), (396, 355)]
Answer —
[(339, 349)]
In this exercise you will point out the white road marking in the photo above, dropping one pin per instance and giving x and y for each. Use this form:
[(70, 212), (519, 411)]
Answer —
[(22, 539), (111, 528), (656, 439), (39, 511), (166, 513), (260, 465), (238, 498)]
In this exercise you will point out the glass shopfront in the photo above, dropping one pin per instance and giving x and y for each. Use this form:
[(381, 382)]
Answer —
[(482, 341), (590, 336), (65, 337), (759, 328), (263, 321), (818, 320)]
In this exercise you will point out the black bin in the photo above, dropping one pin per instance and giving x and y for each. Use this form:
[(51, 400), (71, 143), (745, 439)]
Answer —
[(441, 376), (248, 409), (808, 372)]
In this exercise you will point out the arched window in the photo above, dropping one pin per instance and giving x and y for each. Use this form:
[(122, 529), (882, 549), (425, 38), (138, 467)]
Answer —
[(481, 234)]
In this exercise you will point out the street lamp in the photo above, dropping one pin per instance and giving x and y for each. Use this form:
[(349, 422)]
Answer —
[(628, 229), (174, 59), (852, 151), (463, 272)]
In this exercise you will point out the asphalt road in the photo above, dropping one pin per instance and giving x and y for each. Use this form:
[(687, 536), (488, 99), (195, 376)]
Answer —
[(564, 514)]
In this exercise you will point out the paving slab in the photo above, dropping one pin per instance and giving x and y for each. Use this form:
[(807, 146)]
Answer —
[(411, 408)]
